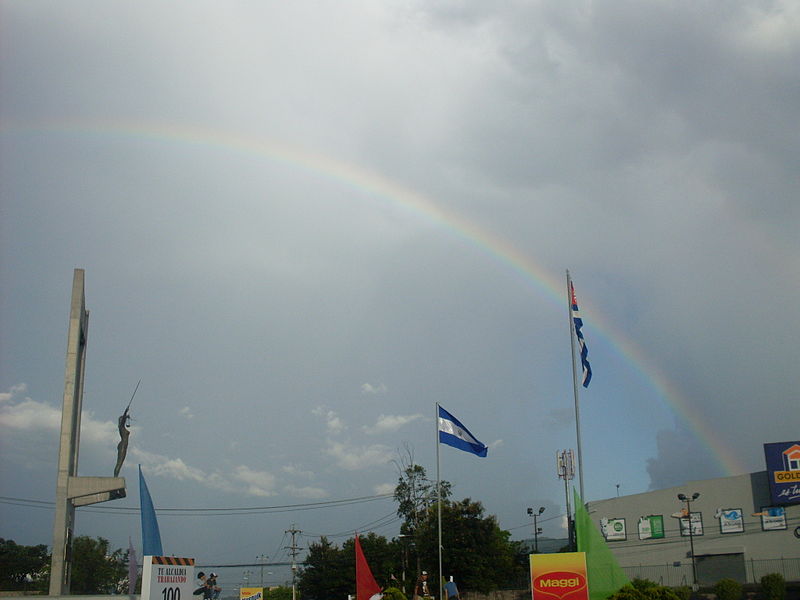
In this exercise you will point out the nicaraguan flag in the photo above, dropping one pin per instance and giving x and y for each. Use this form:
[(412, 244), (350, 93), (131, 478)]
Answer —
[(576, 317), (453, 433), (151, 536)]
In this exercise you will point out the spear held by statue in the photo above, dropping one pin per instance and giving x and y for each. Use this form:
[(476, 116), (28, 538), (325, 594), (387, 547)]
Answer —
[(124, 433)]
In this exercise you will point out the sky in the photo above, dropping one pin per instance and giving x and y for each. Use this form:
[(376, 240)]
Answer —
[(303, 224)]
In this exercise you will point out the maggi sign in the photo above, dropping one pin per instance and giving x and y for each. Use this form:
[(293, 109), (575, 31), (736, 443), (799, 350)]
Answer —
[(559, 576)]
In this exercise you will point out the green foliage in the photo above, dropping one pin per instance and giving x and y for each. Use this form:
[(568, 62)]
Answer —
[(475, 550), (773, 587), (684, 592), (330, 572), (728, 589), (644, 589), (415, 493), (282, 592), (393, 593), (23, 567), (94, 569), (627, 592)]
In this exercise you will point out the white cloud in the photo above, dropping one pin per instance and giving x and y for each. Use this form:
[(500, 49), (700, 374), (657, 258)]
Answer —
[(389, 423), (354, 458), (13, 391), (297, 471), (32, 416), (384, 488), (257, 483), (368, 388), (186, 412), (332, 420), (305, 491)]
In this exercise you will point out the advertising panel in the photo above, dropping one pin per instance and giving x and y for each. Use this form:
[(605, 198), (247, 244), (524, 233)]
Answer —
[(559, 576), (167, 578), (251, 593), (731, 520), (783, 471), (613, 530), (773, 518), (696, 519), (651, 527)]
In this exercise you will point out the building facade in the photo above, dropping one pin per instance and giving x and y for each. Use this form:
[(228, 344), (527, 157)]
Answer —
[(736, 526)]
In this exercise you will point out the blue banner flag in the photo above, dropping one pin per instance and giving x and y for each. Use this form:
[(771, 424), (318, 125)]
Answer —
[(576, 318), (453, 433), (151, 537)]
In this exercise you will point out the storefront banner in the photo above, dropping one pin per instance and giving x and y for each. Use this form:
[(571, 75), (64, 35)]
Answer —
[(559, 576)]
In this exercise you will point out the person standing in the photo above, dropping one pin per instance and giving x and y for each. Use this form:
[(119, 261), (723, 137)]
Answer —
[(451, 591), (421, 587)]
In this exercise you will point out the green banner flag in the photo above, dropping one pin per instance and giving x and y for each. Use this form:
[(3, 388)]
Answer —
[(605, 574)]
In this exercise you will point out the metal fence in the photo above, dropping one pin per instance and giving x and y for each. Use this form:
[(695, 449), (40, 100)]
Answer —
[(677, 575)]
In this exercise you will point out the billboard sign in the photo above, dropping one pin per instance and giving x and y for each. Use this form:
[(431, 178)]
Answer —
[(559, 576), (773, 518), (731, 520), (614, 530), (696, 521), (783, 471), (167, 578), (651, 527), (251, 593)]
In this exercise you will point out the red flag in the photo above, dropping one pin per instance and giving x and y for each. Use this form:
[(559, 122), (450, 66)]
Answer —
[(366, 586)]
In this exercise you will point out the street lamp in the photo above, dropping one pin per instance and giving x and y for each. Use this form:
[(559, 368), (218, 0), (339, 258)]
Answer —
[(536, 529), (688, 501)]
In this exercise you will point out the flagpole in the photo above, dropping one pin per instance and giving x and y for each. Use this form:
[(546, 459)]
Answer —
[(575, 383), (439, 500)]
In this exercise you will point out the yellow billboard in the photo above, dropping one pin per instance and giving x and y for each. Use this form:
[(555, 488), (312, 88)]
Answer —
[(559, 576), (251, 593)]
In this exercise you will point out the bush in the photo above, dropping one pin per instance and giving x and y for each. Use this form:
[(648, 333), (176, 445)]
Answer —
[(683, 592), (773, 587), (643, 589), (627, 592), (393, 593), (728, 589)]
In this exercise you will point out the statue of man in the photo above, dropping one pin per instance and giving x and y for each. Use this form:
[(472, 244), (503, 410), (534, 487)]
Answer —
[(124, 434)]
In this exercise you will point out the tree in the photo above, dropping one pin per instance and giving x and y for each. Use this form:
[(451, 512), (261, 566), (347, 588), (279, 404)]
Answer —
[(415, 494), (474, 548), (330, 572), (325, 572), (23, 567), (94, 570), (282, 592)]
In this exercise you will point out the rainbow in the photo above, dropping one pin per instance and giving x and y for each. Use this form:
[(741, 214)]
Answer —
[(410, 201)]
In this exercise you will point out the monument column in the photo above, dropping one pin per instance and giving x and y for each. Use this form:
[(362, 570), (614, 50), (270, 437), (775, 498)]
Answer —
[(71, 490)]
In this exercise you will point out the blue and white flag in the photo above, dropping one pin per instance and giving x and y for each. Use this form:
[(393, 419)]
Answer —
[(151, 536), (453, 433), (576, 318)]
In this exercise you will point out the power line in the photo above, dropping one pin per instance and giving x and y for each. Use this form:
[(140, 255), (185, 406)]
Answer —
[(206, 512)]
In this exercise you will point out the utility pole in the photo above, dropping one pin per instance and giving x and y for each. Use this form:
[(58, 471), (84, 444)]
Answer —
[(294, 551), (262, 559), (565, 464)]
